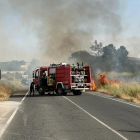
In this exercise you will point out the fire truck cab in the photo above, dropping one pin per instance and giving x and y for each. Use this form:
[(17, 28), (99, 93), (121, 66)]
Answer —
[(66, 78)]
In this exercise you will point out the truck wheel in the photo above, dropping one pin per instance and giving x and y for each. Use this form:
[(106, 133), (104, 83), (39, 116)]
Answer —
[(60, 90), (41, 91), (77, 92)]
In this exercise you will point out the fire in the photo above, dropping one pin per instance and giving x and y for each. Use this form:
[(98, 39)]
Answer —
[(103, 81), (93, 86)]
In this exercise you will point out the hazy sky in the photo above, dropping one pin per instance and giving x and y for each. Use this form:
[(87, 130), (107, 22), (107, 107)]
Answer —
[(51, 30)]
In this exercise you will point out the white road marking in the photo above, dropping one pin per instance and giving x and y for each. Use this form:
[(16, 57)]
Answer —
[(97, 119), (11, 117), (114, 99)]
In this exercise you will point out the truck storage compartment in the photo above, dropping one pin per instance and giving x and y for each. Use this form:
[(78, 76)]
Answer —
[(80, 75)]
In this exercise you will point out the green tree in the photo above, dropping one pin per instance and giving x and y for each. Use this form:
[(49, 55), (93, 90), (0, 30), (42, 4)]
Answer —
[(96, 49), (12, 65), (122, 59), (108, 57), (81, 56)]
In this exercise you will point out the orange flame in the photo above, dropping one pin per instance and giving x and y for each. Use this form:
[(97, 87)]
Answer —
[(103, 81), (93, 86)]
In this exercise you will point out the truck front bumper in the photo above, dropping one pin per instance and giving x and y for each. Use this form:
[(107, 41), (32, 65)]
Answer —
[(79, 88)]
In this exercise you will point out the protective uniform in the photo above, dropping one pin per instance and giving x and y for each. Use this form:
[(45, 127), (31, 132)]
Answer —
[(50, 81), (32, 88), (44, 75), (73, 69)]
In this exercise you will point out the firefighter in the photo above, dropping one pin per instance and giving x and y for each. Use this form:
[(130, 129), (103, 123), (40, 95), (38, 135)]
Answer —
[(32, 88), (44, 75), (50, 83), (44, 78), (73, 69), (81, 66)]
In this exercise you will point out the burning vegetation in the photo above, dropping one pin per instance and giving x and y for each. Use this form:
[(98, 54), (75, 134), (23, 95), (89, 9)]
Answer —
[(103, 81), (93, 86), (127, 91), (122, 76)]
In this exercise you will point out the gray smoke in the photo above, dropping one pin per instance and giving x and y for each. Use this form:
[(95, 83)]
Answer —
[(64, 27)]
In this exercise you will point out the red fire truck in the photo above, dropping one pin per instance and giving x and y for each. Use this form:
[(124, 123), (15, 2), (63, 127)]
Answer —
[(66, 78)]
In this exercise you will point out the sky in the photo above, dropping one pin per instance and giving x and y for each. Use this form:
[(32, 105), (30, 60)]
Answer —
[(131, 18), (51, 30)]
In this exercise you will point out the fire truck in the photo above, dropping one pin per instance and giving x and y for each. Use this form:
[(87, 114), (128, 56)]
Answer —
[(66, 78)]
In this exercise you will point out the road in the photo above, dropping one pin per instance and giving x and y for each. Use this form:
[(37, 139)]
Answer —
[(91, 116)]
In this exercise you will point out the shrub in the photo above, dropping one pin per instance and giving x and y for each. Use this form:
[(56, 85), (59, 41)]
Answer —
[(125, 91), (6, 88)]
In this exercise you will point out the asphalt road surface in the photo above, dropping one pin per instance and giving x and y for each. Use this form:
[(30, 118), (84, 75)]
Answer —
[(91, 116)]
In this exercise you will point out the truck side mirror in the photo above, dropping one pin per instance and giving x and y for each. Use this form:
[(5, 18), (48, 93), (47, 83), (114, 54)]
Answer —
[(0, 74), (33, 74)]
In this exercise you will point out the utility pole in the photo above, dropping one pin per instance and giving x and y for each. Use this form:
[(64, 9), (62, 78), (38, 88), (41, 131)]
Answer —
[(0, 74)]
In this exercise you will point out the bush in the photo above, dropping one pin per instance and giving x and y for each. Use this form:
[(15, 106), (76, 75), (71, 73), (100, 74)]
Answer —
[(6, 88), (125, 91), (131, 99)]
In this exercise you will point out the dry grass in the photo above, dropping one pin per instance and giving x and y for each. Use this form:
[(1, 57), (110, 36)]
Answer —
[(126, 91), (6, 88)]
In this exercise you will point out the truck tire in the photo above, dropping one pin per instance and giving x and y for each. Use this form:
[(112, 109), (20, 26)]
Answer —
[(60, 90), (77, 92), (41, 91)]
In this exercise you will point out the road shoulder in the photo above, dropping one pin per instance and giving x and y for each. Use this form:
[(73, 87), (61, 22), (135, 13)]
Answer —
[(8, 107)]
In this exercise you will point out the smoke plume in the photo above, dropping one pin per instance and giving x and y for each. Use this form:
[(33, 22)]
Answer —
[(64, 27)]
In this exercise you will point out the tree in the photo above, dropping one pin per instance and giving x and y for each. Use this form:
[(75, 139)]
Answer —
[(12, 65), (97, 49), (109, 51), (122, 53), (121, 58), (81, 56), (108, 57), (112, 59), (22, 62)]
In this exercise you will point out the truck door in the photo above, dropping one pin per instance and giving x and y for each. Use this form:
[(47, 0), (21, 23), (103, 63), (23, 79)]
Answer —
[(36, 77), (52, 72)]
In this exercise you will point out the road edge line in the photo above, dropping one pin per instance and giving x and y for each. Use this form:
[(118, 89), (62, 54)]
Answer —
[(114, 99), (97, 119), (11, 117)]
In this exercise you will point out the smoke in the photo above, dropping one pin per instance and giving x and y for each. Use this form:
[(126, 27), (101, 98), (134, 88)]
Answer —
[(15, 42), (64, 27)]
